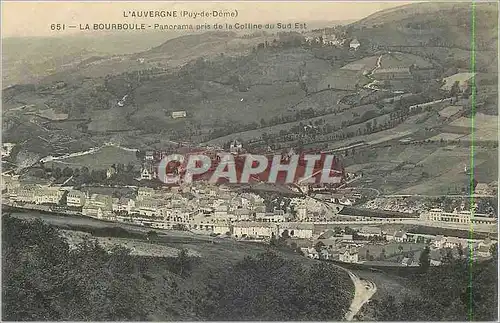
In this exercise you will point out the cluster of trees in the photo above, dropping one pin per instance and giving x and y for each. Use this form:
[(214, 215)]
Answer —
[(459, 290), (123, 174), (269, 287), (45, 279)]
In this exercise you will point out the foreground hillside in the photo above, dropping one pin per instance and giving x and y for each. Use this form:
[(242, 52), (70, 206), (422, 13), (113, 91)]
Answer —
[(438, 24), (460, 290), (45, 279)]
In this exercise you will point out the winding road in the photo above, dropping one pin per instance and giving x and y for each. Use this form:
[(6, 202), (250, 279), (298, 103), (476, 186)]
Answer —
[(363, 292)]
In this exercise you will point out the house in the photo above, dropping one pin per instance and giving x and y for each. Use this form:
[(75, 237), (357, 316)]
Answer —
[(483, 251), (150, 155), (92, 211), (48, 195), (179, 114), (438, 242), (347, 237), (126, 205), (354, 44), (454, 242), (324, 254), (484, 247), (345, 201), (370, 231), (144, 192), (25, 193), (99, 206), (148, 207), (235, 147), (297, 230), (400, 236), (392, 73), (222, 229), (328, 234), (242, 214), (406, 261), (272, 217), (310, 252), (486, 242), (255, 229), (349, 254), (10, 183), (75, 198)]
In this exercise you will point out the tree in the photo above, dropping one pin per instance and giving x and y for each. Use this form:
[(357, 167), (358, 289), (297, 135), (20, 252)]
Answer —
[(448, 257), (57, 173), (182, 263), (455, 89), (368, 127), (273, 241), (67, 172), (318, 246), (424, 259), (494, 251), (285, 234), (152, 235), (63, 284)]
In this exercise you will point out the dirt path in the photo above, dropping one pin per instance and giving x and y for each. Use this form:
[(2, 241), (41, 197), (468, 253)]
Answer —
[(363, 291)]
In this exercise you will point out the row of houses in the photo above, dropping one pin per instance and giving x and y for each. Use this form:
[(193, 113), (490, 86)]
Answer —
[(212, 208)]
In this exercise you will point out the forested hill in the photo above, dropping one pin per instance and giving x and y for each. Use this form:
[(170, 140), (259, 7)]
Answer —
[(459, 290), (44, 279)]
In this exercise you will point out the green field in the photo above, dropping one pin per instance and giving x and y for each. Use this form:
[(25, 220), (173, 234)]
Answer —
[(102, 159)]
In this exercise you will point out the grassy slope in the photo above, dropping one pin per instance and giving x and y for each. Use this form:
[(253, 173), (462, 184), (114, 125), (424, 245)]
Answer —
[(154, 288)]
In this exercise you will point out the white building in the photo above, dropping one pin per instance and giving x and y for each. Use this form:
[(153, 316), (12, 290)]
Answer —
[(354, 44), (221, 228), (146, 173), (99, 206), (123, 204), (144, 193), (297, 230), (179, 114), (235, 147), (255, 229), (75, 198), (49, 195), (370, 231), (462, 217), (349, 255), (310, 252)]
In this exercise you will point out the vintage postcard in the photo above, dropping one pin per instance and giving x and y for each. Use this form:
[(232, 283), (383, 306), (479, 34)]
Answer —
[(249, 161)]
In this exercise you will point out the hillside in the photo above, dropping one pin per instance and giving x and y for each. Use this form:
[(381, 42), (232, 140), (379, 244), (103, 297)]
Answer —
[(28, 59), (280, 90), (447, 23), (86, 282)]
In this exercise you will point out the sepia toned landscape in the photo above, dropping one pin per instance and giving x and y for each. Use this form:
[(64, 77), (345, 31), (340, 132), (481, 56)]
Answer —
[(404, 96)]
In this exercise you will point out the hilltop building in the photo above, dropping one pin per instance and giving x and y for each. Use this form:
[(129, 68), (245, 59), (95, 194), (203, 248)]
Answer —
[(354, 44), (179, 114)]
